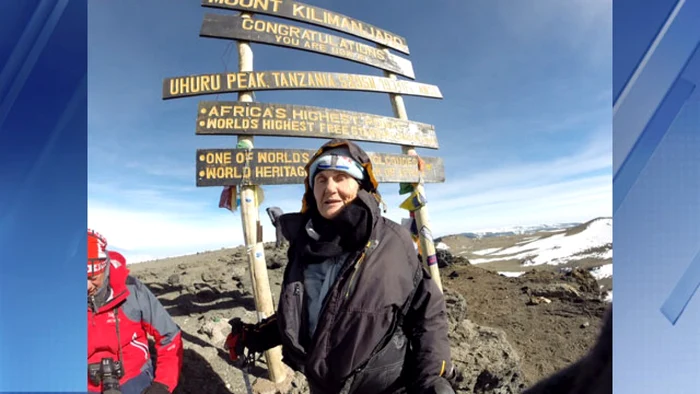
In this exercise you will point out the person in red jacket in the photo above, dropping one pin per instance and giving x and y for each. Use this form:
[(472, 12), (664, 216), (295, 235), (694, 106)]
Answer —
[(121, 313)]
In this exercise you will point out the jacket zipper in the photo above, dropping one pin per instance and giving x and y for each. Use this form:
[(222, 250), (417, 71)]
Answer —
[(93, 309), (335, 288), (354, 271), (299, 351)]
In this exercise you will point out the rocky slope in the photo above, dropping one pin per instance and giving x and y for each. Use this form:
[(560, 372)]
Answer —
[(506, 333)]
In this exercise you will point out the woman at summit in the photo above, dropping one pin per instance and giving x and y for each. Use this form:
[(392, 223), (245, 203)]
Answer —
[(358, 313)]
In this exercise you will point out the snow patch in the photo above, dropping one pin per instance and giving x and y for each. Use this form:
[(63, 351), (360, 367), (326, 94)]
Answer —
[(442, 246), (604, 271), (560, 248), (608, 297), (511, 274), (486, 251)]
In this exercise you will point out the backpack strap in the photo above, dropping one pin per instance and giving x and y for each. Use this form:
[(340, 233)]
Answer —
[(407, 305)]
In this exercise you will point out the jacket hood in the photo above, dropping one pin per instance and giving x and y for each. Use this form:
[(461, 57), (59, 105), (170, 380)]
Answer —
[(357, 154), (118, 273)]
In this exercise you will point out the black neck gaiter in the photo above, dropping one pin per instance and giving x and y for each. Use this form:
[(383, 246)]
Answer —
[(347, 232)]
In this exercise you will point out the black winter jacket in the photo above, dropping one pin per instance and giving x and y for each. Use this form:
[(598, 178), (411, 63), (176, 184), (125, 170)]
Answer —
[(357, 347), (383, 324)]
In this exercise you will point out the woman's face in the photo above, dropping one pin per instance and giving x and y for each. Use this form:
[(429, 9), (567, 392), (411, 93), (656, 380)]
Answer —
[(333, 190)]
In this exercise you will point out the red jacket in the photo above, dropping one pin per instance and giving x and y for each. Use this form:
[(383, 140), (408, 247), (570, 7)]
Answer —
[(139, 313)]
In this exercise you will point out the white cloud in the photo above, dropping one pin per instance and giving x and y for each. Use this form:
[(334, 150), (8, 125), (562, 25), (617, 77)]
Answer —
[(158, 224), (158, 232), (166, 221)]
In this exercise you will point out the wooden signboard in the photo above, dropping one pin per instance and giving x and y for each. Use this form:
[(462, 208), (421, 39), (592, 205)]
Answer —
[(257, 30), (224, 167), (197, 85), (252, 118), (316, 16)]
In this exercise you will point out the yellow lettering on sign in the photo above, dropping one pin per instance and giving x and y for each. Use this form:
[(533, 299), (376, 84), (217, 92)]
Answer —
[(211, 173), (251, 4), (297, 10), (290, 79), (195, 84), (312, 14), (244, 80), (276, 77), (243, 157), (217, 158), (230, 124), (222, 172), (332, 19), (247, 24), (357, 81), (239, 110), (260, 79), (318, 47), (294, 32)]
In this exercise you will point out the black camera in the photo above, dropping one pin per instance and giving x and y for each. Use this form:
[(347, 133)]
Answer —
[(108, 372)]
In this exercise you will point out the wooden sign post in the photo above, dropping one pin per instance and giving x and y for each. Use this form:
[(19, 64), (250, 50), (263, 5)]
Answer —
[(247, 168), (425, 234), (254, 246)]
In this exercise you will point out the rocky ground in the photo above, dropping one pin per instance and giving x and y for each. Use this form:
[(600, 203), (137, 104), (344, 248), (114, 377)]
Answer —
[(506, 333)]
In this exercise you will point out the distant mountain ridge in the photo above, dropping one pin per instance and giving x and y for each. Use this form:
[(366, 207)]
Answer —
[(518, 230)]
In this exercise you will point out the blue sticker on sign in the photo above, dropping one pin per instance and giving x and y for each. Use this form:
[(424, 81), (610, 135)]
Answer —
[(258, 255)]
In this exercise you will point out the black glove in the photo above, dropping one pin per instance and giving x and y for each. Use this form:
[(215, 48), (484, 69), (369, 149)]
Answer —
[(156, 388), (242, 336)]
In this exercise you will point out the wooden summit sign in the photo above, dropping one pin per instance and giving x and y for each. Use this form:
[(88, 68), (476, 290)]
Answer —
[(316, 16), (224, 167), (279, 34), (251, 118), (197, 85)]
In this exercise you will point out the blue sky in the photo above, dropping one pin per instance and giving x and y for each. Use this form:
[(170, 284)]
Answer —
[(524, 127)]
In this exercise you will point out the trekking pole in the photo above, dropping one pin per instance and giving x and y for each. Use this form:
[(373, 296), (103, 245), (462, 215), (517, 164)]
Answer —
[(246, 374)]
